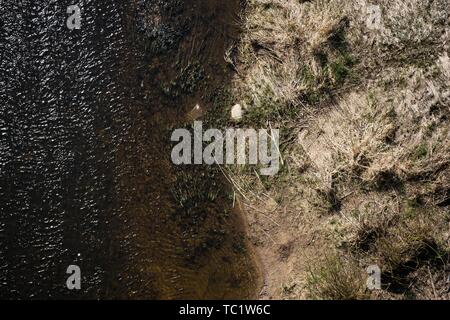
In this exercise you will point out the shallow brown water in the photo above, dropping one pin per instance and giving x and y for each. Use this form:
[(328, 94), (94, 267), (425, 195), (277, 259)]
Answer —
[(85, 171)]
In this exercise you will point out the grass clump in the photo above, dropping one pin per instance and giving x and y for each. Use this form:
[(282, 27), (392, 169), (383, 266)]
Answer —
[(336, 278), (285, 59)]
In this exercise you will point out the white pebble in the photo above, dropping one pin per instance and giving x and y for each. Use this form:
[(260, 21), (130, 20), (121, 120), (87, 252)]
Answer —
[(237, 112)]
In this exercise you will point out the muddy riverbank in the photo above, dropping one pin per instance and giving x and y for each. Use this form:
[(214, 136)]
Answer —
[(86, 175)]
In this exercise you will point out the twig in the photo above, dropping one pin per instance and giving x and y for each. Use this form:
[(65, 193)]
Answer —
[(261, 212), (432, 283)]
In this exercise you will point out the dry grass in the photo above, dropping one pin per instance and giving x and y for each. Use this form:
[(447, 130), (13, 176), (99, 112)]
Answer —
[(289, 52), (366, 145), (337, 278)]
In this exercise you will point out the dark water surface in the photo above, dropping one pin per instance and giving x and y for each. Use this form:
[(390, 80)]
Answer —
[(85, 172)]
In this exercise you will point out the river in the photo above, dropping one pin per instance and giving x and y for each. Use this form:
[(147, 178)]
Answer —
[(85, 171)]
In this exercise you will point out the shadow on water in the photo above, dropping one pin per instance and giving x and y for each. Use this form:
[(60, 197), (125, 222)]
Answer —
[(85, 170)]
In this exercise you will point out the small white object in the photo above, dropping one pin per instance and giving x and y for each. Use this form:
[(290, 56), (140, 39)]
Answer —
[(237, 112), (195, 113)]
